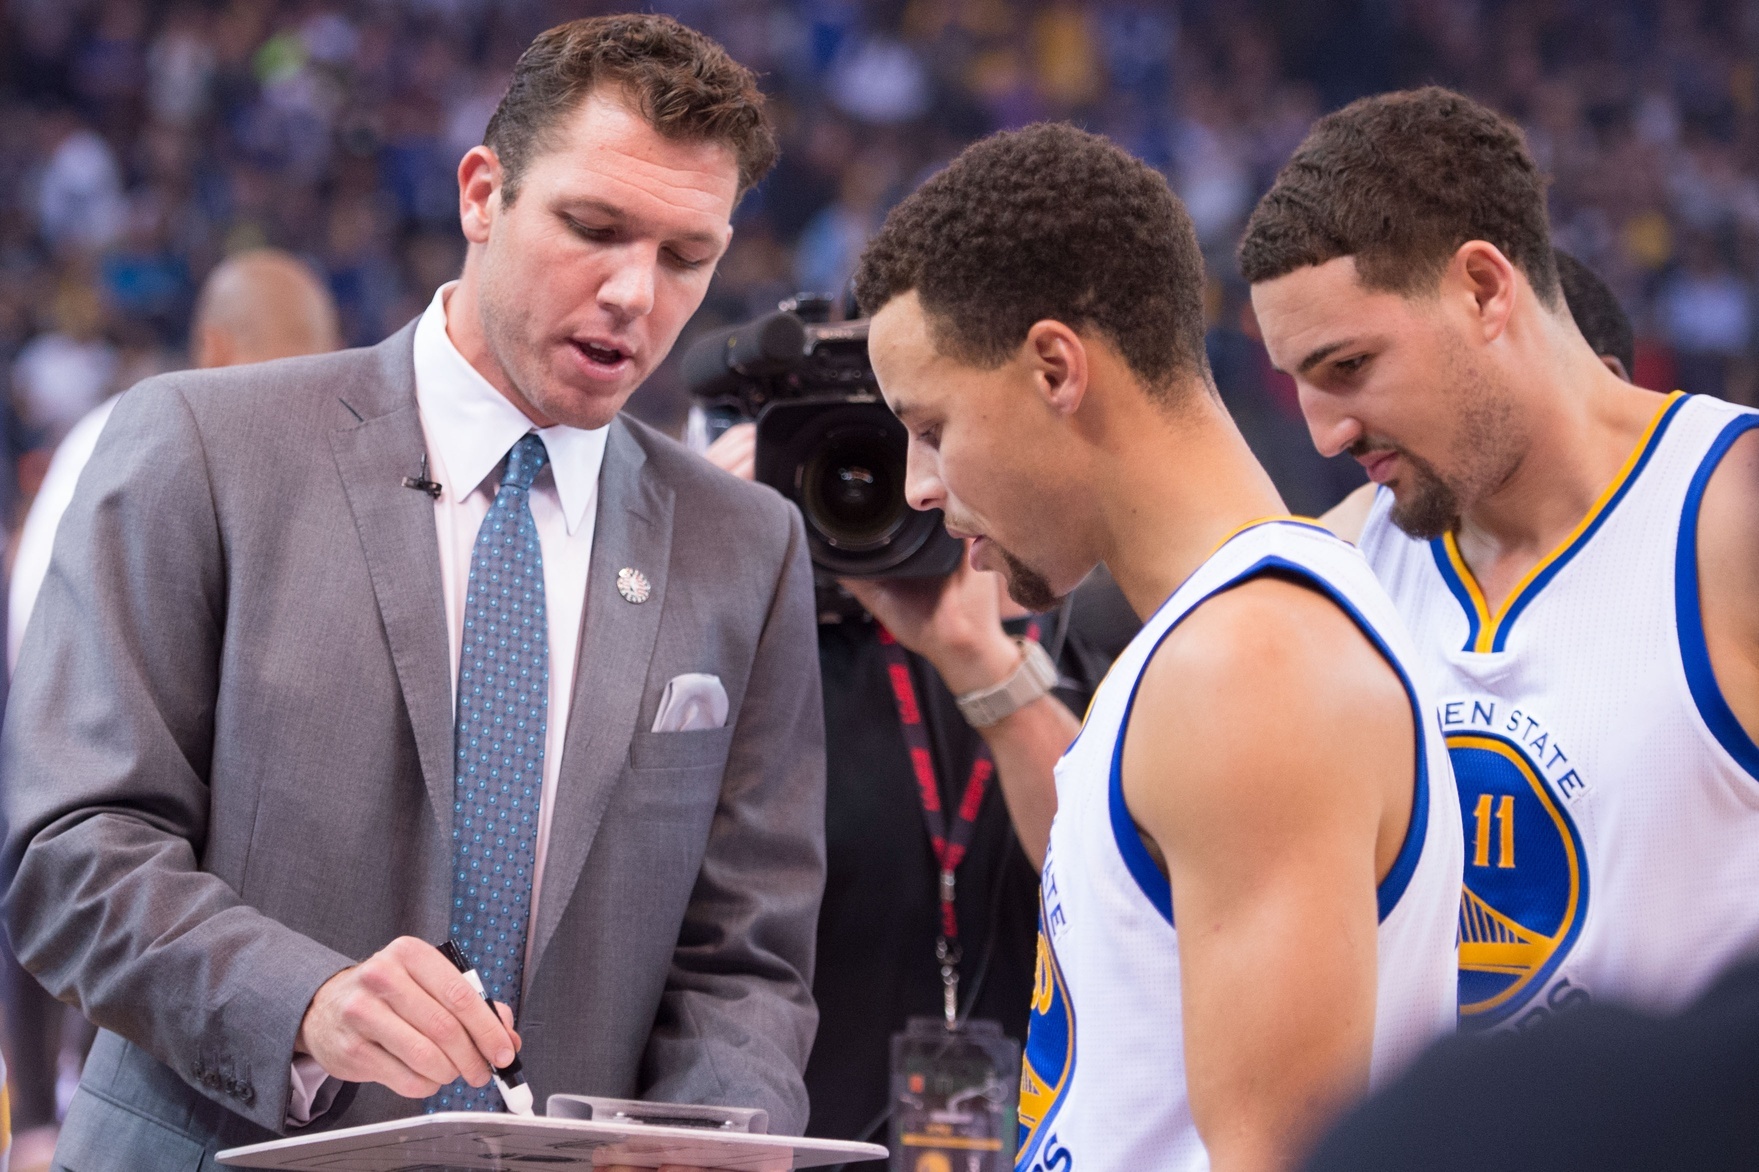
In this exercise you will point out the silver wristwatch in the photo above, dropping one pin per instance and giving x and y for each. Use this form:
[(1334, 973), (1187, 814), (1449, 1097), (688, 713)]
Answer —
[(1035, 677)]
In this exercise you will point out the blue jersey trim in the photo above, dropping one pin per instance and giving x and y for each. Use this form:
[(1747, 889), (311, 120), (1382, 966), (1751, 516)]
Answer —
[(1488, 631), (1689, 616), (1507, 621), (1297, 522), (1140, 863), (1153, 883), (1457, 587)]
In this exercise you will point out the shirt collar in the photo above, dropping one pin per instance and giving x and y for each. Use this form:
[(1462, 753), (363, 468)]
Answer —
[(472, 426)]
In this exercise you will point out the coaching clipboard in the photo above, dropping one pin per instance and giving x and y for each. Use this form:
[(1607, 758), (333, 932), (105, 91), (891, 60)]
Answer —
[(480, 1141)]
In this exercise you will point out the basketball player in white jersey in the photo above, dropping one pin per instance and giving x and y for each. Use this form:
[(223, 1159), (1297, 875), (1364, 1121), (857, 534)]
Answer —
[(1575, 556), (1253, 859)]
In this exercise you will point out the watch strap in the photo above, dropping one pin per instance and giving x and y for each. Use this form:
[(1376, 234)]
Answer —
[(1035, 677)]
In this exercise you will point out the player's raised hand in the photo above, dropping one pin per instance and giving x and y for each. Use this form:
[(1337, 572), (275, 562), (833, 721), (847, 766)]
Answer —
[(405, 1018)]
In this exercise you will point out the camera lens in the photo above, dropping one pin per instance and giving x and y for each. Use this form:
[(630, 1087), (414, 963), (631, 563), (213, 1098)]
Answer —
[(853, 488), (841, 459)]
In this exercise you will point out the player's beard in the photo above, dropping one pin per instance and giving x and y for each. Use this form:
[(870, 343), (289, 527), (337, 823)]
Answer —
[(1486, 451), (1026, 585), (1425, 506)]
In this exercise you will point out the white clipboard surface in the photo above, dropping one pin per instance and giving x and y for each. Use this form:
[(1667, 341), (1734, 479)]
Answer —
[(481, 1141)]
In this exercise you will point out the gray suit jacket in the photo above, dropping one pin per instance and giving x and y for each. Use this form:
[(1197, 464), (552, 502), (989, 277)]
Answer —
[(228, 765)]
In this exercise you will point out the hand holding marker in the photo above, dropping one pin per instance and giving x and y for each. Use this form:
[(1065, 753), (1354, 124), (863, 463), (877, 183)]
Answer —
[(509, 1079)]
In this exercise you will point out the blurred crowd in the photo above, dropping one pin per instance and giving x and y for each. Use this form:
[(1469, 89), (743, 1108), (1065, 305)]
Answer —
[(146, 139)]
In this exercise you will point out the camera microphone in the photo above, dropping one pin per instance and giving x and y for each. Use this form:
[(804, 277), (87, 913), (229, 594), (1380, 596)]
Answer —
[(721, 362)]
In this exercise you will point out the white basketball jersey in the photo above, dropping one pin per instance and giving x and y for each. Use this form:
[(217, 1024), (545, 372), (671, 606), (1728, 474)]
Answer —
[(1608, 795), (1104, 1083)]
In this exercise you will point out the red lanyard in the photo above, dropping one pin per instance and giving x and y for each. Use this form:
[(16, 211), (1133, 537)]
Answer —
[(951, 844)]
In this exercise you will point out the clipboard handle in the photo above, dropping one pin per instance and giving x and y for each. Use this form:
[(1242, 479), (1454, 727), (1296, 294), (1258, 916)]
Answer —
[(749, 1120)]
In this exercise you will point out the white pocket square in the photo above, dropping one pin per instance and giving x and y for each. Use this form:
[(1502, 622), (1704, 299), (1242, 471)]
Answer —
[(691, 701)]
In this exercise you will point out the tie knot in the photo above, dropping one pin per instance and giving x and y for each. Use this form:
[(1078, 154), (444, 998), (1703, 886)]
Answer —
[(525, 461)]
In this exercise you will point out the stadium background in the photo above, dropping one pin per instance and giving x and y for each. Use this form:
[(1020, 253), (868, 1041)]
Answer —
[(144, 140)]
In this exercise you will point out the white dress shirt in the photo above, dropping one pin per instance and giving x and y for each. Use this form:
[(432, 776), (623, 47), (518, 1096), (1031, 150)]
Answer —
[(470, 427), (30, 565)]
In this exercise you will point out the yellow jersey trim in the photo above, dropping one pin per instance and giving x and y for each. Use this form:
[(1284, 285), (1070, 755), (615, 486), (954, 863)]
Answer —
[(1489, 624)]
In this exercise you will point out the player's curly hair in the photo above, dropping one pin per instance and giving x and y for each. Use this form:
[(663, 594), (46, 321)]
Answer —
[(682, 82), (1048, 222), (1399, 181)]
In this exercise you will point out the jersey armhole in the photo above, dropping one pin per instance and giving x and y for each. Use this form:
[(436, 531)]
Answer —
[(1154, 883), (1689, 612)]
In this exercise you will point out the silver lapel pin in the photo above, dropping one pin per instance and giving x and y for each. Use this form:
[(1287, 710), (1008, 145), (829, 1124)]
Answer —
[(633, 585)]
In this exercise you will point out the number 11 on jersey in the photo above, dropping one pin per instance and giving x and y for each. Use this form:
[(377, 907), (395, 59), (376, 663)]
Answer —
[(1505, 819)]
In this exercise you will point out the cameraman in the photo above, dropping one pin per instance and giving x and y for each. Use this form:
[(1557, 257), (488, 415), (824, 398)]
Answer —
[(879, 925)]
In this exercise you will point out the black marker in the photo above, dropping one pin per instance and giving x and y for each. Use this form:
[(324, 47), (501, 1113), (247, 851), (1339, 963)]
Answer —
[(509, 1079)]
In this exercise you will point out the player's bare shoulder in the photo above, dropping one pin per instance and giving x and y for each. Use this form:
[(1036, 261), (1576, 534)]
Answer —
[(1728, 549), (1268, 696), (1271, 649)]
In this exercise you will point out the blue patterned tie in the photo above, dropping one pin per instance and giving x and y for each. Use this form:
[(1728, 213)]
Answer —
[(503, 698)]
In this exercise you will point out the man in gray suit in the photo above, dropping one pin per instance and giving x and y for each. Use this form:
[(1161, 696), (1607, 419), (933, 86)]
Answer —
[(341, 656)]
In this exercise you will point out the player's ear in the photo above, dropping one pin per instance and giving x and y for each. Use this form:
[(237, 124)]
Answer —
[(1482, 273), (1057, 359)]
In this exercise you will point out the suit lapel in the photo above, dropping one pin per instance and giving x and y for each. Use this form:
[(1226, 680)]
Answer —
[(397, 534), (634, 530)]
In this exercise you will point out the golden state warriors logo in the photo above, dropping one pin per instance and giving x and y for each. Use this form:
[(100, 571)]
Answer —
[(1050, 1056), (1526, 888)]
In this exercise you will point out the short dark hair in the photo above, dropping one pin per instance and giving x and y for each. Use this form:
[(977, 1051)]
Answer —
[(1047, 222), (1597, 311), (1399, 181), (681, 81)]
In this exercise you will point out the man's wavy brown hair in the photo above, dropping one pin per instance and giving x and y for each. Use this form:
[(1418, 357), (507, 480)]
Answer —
[(1399, 181), (1048, 222), (682, 82)]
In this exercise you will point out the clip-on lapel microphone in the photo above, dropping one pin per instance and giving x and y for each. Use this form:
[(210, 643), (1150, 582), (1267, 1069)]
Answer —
[(420, 481)]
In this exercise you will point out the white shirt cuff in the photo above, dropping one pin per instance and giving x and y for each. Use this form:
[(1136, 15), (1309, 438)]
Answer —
[(311, 1092)]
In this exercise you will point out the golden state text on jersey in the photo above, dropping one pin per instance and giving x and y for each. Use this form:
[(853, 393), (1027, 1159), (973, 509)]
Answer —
[(1609, 796)]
